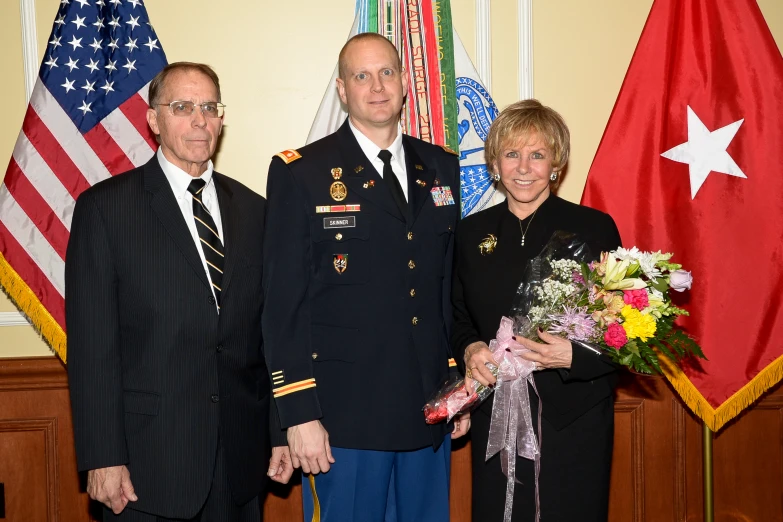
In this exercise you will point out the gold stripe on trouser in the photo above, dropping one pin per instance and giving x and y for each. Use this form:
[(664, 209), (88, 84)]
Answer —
[(316, 504)]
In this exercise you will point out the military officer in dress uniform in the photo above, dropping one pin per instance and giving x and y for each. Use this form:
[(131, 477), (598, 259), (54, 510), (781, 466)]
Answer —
[(357, 274)]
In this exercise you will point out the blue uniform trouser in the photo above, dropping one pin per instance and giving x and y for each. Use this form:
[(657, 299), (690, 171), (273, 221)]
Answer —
[(381, 486)]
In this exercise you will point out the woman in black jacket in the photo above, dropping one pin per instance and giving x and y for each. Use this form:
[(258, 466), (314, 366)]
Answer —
[(526, 150)]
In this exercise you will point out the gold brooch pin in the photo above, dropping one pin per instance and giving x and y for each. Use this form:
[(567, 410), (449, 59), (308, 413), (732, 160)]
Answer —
[(488, 244), (337, 173)]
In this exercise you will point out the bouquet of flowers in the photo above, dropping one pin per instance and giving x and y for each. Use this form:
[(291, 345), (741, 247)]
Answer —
[(618, 305)]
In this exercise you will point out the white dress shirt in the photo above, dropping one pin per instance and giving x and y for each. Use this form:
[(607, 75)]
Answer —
[(371, 150), (179, 181)]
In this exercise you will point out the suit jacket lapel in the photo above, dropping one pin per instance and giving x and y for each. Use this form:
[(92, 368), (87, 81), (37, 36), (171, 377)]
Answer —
[(166, 208), (420, 179), (358, 171), (230, 219)]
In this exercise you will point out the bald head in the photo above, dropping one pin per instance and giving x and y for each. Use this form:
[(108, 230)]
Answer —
[(363, 37)]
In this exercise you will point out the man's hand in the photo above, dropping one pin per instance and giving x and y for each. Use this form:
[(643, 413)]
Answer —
[(461, 425), (280, 466), (310, 448), (112, 487)]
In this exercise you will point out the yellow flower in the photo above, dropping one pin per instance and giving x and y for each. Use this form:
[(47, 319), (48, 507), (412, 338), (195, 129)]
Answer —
[(615, 277), (614, 303), (638, 325)]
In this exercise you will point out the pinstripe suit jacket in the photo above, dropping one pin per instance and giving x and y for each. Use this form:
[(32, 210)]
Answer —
[(157, 377)]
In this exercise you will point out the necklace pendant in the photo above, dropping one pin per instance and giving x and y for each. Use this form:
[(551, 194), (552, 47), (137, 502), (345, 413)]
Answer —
[(522, 242)]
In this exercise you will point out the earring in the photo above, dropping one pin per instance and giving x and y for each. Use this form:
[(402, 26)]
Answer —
[(496, 177), (553, 176)]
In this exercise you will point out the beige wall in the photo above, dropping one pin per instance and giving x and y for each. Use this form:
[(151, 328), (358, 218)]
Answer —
[(274, 65)]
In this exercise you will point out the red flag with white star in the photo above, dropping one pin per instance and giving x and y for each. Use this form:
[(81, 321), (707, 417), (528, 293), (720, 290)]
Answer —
[(691, 162)]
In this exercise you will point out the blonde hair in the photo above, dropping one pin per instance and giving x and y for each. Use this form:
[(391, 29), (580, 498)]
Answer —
[(519, 121)]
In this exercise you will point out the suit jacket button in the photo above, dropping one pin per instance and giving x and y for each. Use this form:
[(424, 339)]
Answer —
[(315, 355), (415, 321), (410, 236), (215, 397), (211, 299), (411, 264), (413, 292), (219, 348)]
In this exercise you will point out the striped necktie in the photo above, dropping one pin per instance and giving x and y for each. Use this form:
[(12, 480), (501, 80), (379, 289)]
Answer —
[(210, 241)]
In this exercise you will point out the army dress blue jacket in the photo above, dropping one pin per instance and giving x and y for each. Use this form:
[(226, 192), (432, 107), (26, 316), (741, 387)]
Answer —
[(357, 311)]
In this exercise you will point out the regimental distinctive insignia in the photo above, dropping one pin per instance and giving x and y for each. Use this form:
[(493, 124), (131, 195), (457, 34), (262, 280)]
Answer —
[(421, 183), (488, 244), (337, 173), (340, 262), (419, 167), (358, 169), (442, 196), (436, 182), (288, 155), (338, 191)]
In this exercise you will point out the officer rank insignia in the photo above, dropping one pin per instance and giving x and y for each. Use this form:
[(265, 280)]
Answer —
[(288, 155), (340, 262), (442, 196)]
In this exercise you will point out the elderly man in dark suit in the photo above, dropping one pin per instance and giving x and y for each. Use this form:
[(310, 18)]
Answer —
[(357, 271), (169, 389)]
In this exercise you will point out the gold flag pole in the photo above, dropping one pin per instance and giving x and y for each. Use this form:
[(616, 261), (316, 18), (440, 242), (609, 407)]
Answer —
[(709, 514)]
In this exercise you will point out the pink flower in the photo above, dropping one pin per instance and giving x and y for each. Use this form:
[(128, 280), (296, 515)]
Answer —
[(576, 277), (615, 336), (636, 298)]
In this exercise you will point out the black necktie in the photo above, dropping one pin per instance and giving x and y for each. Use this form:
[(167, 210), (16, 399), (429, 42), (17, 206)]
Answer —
[(393, 183), (208, 236)]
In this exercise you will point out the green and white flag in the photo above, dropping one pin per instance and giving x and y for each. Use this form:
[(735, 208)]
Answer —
[(446, 103)]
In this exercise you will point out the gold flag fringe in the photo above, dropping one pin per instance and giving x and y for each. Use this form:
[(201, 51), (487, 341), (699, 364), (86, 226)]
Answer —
[(716, 418), (27, 302)]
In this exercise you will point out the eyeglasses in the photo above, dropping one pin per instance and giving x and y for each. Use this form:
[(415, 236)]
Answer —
[(186, 108)]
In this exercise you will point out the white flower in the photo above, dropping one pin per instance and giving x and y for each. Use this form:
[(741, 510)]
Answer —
[(647, 260)]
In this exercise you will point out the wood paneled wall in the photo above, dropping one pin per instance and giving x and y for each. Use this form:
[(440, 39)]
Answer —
[(656, 470)]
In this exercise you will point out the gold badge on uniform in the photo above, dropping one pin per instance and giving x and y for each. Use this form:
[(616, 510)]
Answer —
[(421, 183), (338, 191), (340, 262), (488, 244), (337, 172), (358, 169), (419, 167)]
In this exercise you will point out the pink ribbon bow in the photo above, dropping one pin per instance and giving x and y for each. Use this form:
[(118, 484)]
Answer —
[(511, 430)]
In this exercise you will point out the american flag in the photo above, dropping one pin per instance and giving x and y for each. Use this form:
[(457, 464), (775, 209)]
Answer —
[(86, 121)]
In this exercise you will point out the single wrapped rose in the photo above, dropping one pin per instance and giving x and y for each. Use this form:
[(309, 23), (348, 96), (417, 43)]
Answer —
[(680, 280)]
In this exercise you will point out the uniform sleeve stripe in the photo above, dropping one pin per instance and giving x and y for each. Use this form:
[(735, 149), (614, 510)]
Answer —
[(294, 386), (292, 390), (452, 363)]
